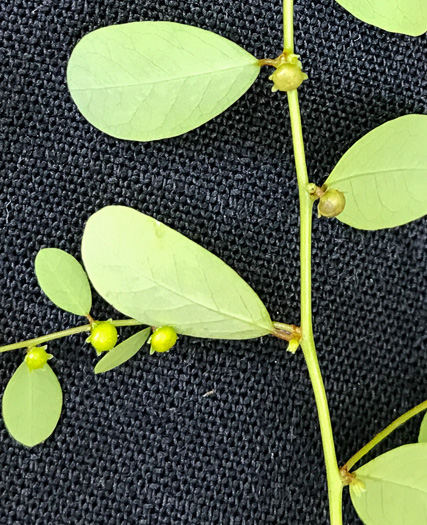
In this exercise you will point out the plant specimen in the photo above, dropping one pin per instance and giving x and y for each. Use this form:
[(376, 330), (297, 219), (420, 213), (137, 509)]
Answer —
[(147, 81)]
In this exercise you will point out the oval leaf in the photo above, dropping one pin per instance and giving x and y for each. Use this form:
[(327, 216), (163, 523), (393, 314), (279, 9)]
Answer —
[(32, 404), (122, 352), (394, 489), (399, 16), (156, 275), (422, 438), (153, 80), (384, 175), (63, 280)]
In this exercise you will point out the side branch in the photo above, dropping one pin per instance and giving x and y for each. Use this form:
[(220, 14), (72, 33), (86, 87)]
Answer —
[(382, 435), (64, 333)]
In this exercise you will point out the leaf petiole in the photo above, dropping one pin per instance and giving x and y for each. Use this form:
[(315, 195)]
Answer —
[(287, 332)]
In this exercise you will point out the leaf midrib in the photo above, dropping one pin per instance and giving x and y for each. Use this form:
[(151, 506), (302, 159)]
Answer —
[(68, 288), (162, 285), (384, 480), (377, 172), (109, 361), (171, 79)]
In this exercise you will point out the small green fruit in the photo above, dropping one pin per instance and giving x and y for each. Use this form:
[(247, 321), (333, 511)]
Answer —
[(37, 357), (331, 203), (103, 336), (163, 339), (287, 77)]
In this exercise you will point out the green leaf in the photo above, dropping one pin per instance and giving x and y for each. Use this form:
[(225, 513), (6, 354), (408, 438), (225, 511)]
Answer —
[(122, 352), (152, 80), (392, 489), (63, 280), (422, 438), (384, 175), (159, 277), (399, 16), (32, 404)]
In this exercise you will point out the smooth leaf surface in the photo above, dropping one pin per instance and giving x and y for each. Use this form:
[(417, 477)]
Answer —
[(398, 16), (422, 437), (395, 488), (63, 280), (122, 352), (384, 175), (152, 80), (32, 404), (152, 273)]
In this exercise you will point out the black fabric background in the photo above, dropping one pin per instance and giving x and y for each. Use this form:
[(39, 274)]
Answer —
[(142, 444)]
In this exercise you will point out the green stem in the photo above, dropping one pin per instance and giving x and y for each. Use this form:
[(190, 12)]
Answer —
[(335, 482), (382, 435), (64, 333), (288, 25)]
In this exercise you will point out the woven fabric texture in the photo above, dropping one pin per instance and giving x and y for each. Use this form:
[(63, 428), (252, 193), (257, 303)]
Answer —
[(147, 444)]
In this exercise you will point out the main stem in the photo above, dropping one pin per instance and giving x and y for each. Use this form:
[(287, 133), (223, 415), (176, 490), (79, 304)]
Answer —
[(335, 484)]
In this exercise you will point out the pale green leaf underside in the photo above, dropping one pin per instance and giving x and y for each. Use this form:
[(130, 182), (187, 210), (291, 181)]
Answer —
[(32, 404), (396, 488), (384, 175), (154, 274), (122, 352), (399, 16), (152, 80), (63, 280), (422, 438)]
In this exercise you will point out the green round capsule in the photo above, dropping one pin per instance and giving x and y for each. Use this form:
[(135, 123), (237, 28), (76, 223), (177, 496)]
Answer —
[(287, 77), (331, 203), (103, 336), (37, 357), (163, 339)]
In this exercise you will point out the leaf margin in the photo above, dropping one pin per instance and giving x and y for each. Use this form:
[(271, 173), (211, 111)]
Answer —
[(398, 26), (107, 218), (40, 267), (350, 161), (162, 135), (142, 339), (359, 488), (33, 375)]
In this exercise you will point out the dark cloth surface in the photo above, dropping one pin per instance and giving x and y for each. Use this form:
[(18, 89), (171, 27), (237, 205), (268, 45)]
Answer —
[(143, 444)]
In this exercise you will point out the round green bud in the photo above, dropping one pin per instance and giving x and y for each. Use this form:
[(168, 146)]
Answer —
[(163, 339), (311, 188), (287, 77), (103, 336), (37, 357), (331, 203)]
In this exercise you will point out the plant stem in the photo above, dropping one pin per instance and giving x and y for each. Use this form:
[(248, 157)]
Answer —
[(382, 435), (64, 333), (335, 482), (288, 25)]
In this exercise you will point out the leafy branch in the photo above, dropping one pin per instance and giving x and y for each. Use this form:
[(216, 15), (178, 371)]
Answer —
[(153, 80), (383, 435), (30, 343)]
